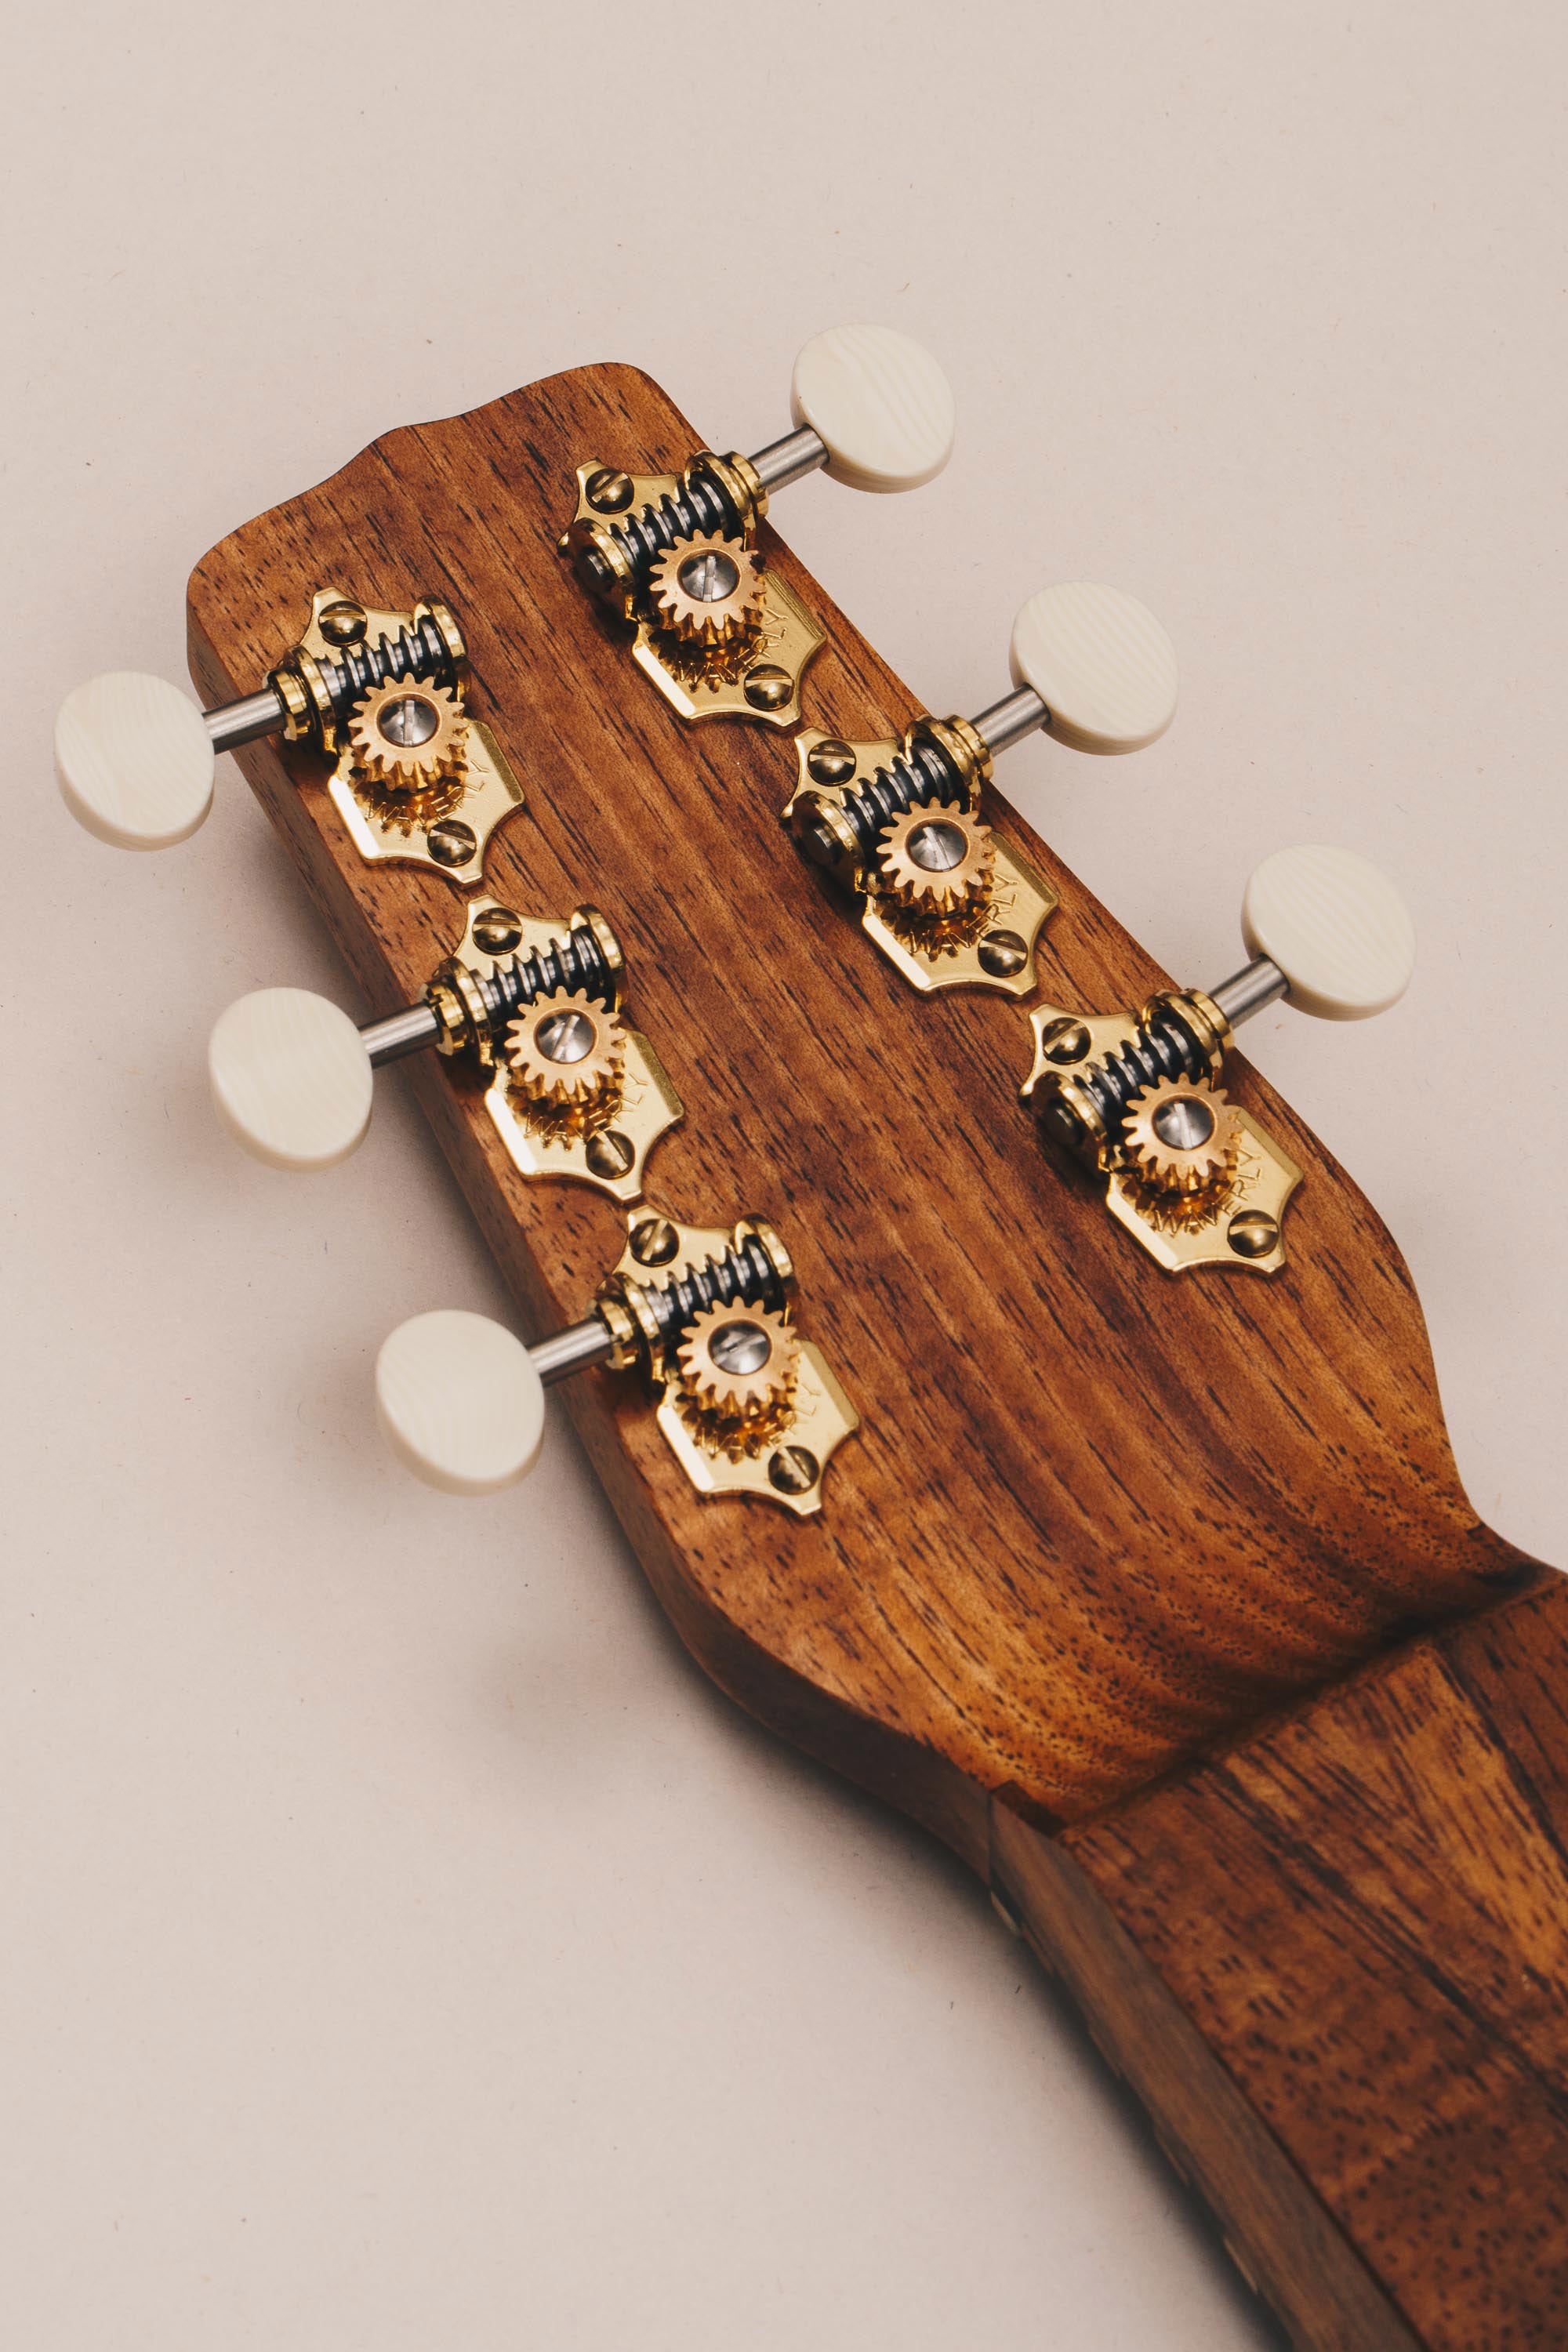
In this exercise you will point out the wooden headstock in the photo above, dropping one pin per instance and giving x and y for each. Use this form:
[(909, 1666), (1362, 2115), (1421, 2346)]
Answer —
[(1093, 1518), (1125, 1585)]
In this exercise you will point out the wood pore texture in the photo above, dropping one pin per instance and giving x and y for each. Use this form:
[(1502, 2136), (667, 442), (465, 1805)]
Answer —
[(1110, 1546)]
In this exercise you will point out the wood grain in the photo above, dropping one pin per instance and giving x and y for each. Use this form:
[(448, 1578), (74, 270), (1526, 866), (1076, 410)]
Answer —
[(1099, 1526), (1332, 1962)]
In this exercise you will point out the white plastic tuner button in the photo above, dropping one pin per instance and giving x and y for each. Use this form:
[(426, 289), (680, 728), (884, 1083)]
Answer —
[(134, 760), (291, 1078), (1100, 663), (459, 1402), (1336, 928), (880, 401)]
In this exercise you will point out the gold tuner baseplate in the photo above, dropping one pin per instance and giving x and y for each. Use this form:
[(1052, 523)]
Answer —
[(572, 1089), (381, 695), (1191, 1175), (416, 779), (676, 557), (745, 1405), (898, 822)]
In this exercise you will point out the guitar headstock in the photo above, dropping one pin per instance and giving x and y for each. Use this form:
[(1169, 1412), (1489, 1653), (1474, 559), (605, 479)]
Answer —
[(959, 1436)]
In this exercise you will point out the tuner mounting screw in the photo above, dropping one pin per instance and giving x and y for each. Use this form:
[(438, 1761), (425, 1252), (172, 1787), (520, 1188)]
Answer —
[(1065, 1041), (451, 843), (768, 688), (1003, 953), (610, 1153), (607, 492), (343, 624), (793, 1469), (498, 931), (831, 762), (1252, 1235), (653, 1241)]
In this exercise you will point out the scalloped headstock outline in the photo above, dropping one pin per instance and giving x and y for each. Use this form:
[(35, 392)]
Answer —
[(1115, 1558)]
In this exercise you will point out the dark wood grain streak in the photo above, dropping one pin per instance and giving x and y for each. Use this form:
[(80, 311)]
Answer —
[(1173, 1564)]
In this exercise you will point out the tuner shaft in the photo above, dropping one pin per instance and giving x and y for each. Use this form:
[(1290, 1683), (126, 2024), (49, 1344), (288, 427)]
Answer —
[(1259, 983), (1007, 722), (230, 724), (790, 459), (572, 1350), (408, 1032)]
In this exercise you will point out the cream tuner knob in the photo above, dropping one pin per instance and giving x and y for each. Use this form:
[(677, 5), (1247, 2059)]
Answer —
[(1335, 927), (880, 404), (1100, 663), (459, 1402), (134, 760), (291, 1078)]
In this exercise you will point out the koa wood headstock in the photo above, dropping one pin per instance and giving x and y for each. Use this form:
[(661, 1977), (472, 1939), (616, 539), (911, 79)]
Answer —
[(963, 1445)]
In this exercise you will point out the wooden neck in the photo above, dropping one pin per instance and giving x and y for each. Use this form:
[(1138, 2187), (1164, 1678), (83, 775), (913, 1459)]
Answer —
[(1329, 1960)]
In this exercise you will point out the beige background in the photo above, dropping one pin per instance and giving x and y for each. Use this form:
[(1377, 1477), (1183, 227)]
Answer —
[(403, 1947)]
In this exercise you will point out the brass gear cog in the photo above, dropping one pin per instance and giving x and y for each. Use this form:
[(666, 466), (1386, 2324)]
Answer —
[(706, 590), (1181, 1136), (565, 1051), (406, 736), (738, 1363), (936, 859)]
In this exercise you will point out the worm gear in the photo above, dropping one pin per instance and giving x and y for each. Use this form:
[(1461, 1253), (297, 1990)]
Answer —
[(407, 736), (565, 1051), (1181, 1136), (936, 859), (706, 590), (738, 1363)]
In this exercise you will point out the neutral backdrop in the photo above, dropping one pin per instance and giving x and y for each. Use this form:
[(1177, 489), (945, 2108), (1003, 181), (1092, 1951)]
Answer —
[(403, 1947)]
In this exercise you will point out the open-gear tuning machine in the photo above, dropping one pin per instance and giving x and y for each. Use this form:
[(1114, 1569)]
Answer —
[(574, 1091), (676, 555), (900, 821), (1193, 1177), (379, 693), (745, 1405)]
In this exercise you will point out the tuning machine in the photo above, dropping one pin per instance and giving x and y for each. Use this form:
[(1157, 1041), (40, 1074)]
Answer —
[(898, 821), (1191, 1175), (380, 694), (676, 554), (574, 1091), (745, 1405)]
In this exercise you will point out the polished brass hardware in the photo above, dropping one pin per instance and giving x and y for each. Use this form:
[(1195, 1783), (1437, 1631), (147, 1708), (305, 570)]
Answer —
[(719, 634), (746, 1406), (1190, 1174), (417, 780), (945, 901), (574, 1091)]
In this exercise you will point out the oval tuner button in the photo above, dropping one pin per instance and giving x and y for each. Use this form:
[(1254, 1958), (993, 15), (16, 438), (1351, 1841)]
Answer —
[(459, 1402), (290, 1079), (1338, 930), (134, 760), (1100, 663), (880, 401)]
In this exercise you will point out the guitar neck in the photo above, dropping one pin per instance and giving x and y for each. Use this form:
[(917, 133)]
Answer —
[(1330, 1963)]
